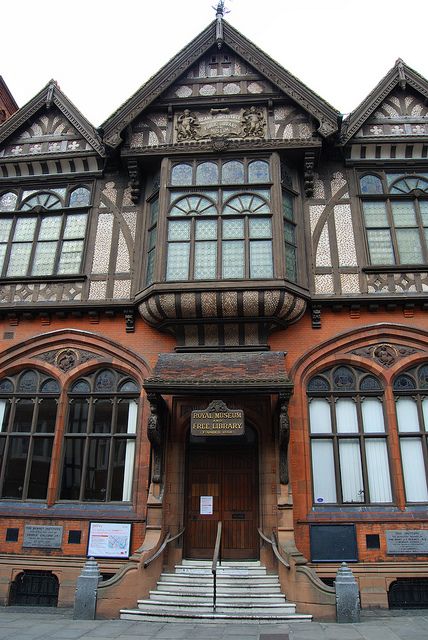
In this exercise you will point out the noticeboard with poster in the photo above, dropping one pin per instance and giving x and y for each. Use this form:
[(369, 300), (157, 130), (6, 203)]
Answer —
[(109, 539)]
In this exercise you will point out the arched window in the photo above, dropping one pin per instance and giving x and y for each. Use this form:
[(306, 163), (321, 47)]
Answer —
[(28, 407), (46, 233), (411, 396), (99, 441), (348, 438), (219, 231), (397, 223)]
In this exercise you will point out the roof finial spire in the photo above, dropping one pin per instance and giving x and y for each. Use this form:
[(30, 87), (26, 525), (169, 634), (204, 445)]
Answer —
[(220, 11), (401, 73)]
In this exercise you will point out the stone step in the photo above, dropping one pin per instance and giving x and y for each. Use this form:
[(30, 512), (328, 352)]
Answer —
[(223, 588), (248, 608), (224, 563), (221, 577), (202, 598), (221, 571), (182, 616)]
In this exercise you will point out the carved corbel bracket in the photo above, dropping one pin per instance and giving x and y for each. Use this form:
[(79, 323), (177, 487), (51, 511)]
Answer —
[(283, 438), (156, 435), (135, 180), (309, 175), (316, 316), (129, 320)]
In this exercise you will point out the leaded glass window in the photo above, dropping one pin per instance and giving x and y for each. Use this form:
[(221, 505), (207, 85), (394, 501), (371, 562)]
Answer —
[(221, 226), (411, 402), (348, 433), (396, 223), (290, 233), (28, 408), (99, 440), (46, 233)]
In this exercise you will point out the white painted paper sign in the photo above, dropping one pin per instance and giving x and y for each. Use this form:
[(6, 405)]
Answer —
[(206, 505), (109, 539)]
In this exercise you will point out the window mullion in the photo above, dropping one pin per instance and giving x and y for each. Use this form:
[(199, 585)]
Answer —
[(86, 450), (112, 440), (392, 231)]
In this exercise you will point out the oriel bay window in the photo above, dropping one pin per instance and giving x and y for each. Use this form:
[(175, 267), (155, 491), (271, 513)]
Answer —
[(28, 408), (42, 233), (220, 220), (348, 438), (411, 397), (395, 212), (99, 440)]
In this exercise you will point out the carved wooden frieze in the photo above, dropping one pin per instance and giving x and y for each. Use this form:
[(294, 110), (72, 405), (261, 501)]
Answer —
[(66, 359), (220, 123), (386, 354), (400, 114)]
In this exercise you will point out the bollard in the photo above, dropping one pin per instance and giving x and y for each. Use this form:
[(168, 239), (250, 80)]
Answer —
[(85, 600), (347, 596)]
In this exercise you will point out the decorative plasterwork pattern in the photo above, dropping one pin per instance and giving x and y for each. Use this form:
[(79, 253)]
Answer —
[(396, 282), (66, 359), (385, 353), (296, 90)]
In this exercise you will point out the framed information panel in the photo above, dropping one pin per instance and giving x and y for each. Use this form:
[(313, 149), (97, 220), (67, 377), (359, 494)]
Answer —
[(109, 539), (333, 543)]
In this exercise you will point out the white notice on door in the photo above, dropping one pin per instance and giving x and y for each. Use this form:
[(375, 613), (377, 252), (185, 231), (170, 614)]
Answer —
[(206, 505)]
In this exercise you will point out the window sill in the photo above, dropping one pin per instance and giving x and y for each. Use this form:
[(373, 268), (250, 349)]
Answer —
[(396, 268), (62, 278)]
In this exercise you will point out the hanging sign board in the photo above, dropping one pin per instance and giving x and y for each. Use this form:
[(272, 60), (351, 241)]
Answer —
[(217, 420)]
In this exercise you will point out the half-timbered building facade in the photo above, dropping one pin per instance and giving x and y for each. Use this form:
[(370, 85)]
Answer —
[(225, 245)]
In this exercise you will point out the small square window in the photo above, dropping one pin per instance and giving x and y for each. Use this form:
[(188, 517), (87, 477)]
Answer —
[(372, 541), (12, 535), (74, 536)]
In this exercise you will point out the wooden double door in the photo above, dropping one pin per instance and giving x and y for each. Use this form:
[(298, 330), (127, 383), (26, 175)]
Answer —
[(222, 479)]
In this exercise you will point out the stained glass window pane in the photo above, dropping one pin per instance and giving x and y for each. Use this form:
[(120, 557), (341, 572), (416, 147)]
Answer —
[(287, 206), (50, 228), (371, 184), (181, 174), (179, 230), (409, 246), (71, 257), (150, 267), (2, 255), (233, 259), (290, 263), (8, 201), (205, 260), (207, 173), (232, 172), (152, 238), (105, 381), (233, 229), (260, 228), (246, 203), (261, 263), (423, 204), (178, 261), (258, 171), (290, 232), (196, 205), (380, 247), (80, 197), (154, 211), (46, 200), (28, 382), (44, 258), (5, 226), (24, 229), (75, 226), (206, 230), (19, 259), (403, 214), (375, 214)]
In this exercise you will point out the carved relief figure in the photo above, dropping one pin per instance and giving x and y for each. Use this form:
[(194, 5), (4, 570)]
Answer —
[(252, 123), (187, 126)]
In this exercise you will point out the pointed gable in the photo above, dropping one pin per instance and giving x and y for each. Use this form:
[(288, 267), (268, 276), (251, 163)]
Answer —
[(396, 108), (226, 65), (48, 136)]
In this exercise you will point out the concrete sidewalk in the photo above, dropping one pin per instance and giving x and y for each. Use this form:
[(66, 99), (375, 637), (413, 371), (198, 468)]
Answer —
[(25, 623)]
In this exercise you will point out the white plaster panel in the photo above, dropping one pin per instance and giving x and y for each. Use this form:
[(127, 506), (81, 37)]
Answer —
[(345, 236)]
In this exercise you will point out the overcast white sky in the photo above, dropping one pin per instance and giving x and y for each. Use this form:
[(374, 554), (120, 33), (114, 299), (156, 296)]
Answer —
[(101, 51)]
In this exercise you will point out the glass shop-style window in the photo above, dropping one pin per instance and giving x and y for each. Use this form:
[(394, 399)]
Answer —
[(220, 220), (28, 408), (395, 211), (42, 233), (411, 401), (348, 438), (99, 440)]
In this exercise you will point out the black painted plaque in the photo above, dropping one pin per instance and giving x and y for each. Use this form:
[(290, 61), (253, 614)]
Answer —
[(42, 537), (407, 542), (333, 543)]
